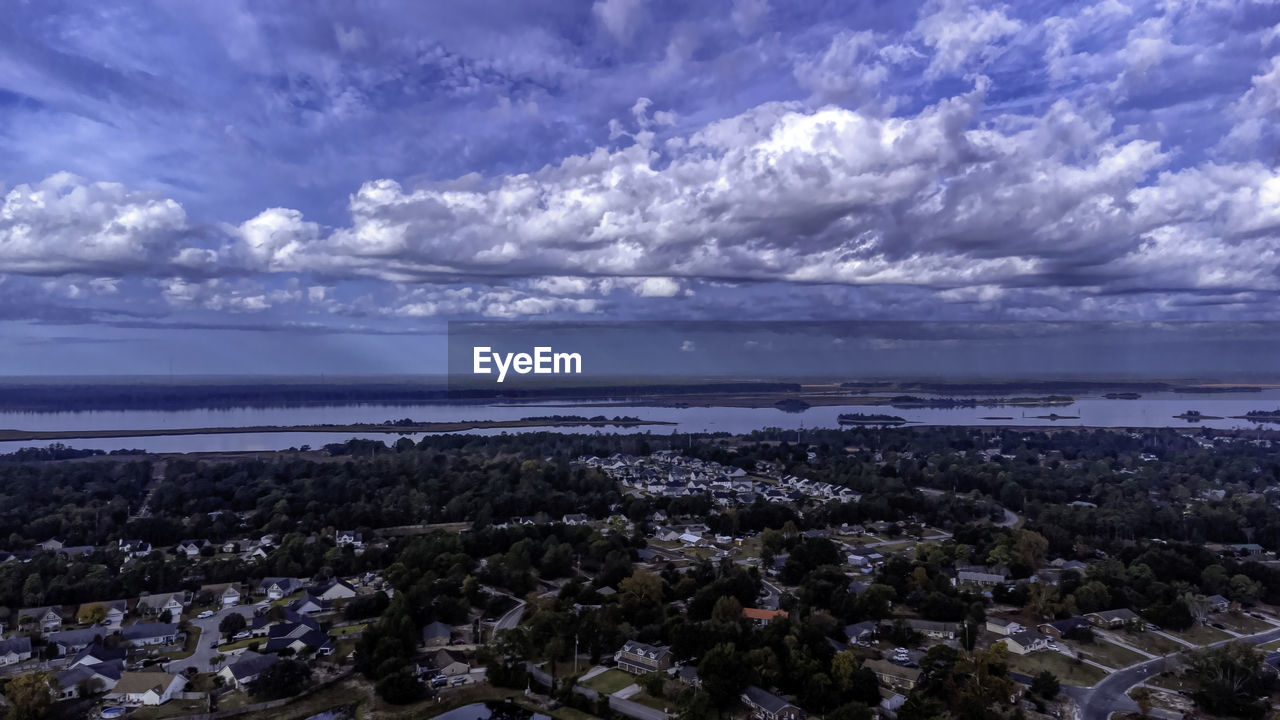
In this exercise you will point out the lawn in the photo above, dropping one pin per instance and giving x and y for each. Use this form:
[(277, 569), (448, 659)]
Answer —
[(193, 642), (241, 644), (1273, 645), (1171, 681), (610, 681), (1109, 654), (1242, 624), (1151, 642), (648, 700), (1067, 670), (348, 630), (1202, 635)]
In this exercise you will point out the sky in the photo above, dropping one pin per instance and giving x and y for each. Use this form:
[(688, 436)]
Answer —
[(320, 187)]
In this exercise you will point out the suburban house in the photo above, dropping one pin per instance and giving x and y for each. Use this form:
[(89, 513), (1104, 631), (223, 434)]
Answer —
[(247, 667), (224, 594), (861, 632), (450, 663), (1217, 603), (95, 677), (310, 605), (157, 604), (1027, 641), (575, 519), (638, 658), (767, 706), (97, 654), (1114, 618), (48, 619), (277, 588), (934, 629), (52, 544), (146, 688), (134, 548), (1059, 628), (437, 634), (149, 634), (762, 617), (190, 548), (893, 676), (1003, 626), (115, 612), (73, 641), (334, 590), (350, 537), (302, 636), (980, 578), (15, 650)]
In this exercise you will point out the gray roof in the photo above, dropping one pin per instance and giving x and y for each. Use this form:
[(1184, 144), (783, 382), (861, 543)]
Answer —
[(148, 630), (764, 699), (251, 664), (18, 645)]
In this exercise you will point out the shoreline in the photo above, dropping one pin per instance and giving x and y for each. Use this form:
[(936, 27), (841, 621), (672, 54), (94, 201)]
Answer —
[(12, 435)]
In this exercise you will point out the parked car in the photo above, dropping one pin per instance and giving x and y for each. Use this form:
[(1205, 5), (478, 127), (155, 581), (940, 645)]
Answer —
[(439, 681), (213, 645), (204, 615), (1219, 625), (459, 680), (240, 635)]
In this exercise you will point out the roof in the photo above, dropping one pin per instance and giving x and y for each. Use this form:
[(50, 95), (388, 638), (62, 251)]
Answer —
[(136, 683), (446, 657), (148, 630), (18, 645), (883, 667), (1067, 623), (99, 653), (857, 630), (649, 651), (250, 664), (437, 629), (764, 699), (761, 614), (1027, 637), (1121, 614)]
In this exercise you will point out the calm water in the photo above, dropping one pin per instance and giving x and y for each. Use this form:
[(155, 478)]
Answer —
[(1154, 410)]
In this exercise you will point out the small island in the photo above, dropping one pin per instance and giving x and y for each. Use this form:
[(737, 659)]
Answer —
[(792, 405), (912, 401), (869, 419), (1271, 416), (1196, 416)]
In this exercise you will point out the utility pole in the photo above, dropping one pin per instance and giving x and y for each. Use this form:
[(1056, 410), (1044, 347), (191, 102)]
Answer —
[(575, 653)]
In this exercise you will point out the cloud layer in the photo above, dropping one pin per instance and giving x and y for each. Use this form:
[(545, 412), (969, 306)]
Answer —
[(622, 159)]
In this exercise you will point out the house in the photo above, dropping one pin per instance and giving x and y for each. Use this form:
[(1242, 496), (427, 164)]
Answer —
[(333, 590), (688, 675), (146, 688), (48, 619), (52, 544), (450, 663), (309, 604), (893, 676), (575, 519), (1003, 626), (190, 548), (767, 706), (638, 658), (73, 641), (1027, 641), (96, 654), (1114, 618), (864, 557), (224, 594), (934, 629), (861, 632), (1059, 628), (1217, 603), (437, 634), (277, 588), (762, 617), (303, 635), (246, 668), (90, 678), (115, 612), (980, 578), (157, 604), (15, 650), (134, 548), (149, 634), (350, 537)]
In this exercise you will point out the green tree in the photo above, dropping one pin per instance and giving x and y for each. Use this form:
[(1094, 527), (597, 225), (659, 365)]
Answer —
[(1046, 685), (30, 696)]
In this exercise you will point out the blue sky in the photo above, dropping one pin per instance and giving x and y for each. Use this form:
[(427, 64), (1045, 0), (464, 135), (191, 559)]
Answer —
[(271, 187)]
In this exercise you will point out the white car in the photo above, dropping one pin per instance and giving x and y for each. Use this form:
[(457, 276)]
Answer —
[(240, 635), (204, 615)]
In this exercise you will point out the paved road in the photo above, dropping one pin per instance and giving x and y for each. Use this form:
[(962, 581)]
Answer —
[(1110, 695), (203, 656), (511, 618)]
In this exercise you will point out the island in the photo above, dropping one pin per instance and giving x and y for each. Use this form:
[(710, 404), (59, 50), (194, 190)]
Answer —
[(869, 419)]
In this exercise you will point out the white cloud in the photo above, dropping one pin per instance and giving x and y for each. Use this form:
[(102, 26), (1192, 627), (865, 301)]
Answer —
[(962, 32), (619, 17)]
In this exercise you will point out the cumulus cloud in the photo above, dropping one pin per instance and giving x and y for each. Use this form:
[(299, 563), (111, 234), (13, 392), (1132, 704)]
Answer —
[(66, 224), (962, 34)]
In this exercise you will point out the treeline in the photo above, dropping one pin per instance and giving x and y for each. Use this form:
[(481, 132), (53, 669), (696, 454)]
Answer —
[(59, 451)]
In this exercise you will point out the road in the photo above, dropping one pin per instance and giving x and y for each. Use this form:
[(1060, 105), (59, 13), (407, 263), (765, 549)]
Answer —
[(512, 617), (1110, 695), (202, 658)]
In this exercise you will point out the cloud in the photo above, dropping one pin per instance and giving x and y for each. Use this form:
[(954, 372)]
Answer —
[(962, 34), (619, 17)]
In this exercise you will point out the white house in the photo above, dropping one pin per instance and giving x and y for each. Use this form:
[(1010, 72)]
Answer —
[(334, 590), (15, 650), (350, 537), (157, 604), (1027, 641), (146, 688), (247, 667), (1002, 626)]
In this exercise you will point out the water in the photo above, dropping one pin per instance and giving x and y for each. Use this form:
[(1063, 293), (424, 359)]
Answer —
[(1154, 410)]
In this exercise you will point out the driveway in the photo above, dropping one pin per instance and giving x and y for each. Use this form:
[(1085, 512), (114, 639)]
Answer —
[(202, 658)]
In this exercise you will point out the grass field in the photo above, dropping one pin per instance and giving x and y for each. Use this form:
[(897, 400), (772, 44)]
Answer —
[(1151, 642), (1273, 645), (610, 681), (1202, 635), (188, 648), (1067, 670), (648, 700), (1242, 624), (1109, 654)]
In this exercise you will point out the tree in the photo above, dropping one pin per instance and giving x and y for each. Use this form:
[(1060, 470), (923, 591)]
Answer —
[(1046, 685), (1229, 680), (92, 613), (642, 587), (285, 678), (232, 624), (851, 711), (1142, 696), (723, 674), (400, 687), (30, 696)]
